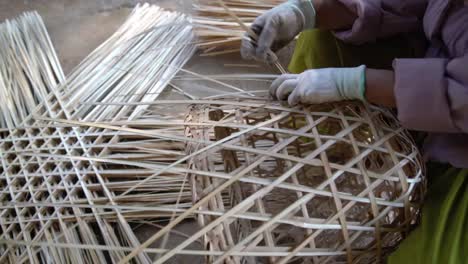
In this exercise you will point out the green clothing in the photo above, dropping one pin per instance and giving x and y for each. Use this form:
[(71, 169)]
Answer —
[(442, 236), (328, 51)]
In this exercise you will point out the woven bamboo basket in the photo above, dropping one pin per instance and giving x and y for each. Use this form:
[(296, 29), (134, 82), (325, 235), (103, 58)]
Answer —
[(322, 184)]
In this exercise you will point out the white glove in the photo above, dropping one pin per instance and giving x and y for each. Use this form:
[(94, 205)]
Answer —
[(276, 28), (321, 86)]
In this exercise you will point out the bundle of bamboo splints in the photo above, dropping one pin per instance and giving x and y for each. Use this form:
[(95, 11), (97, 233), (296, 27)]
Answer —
[(218, 31), (29, 68), (99, 156)]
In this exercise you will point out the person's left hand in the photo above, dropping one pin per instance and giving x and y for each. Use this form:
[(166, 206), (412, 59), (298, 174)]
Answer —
[(276, 28), (320, 86)]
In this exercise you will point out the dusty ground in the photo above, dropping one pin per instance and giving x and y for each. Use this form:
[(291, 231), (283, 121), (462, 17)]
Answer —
[(77, 27)]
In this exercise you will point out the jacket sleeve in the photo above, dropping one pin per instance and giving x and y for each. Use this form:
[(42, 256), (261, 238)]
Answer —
[(382, 18), (432, 94)]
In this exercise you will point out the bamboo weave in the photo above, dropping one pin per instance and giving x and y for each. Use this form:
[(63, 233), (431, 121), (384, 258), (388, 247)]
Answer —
[(61, 183)]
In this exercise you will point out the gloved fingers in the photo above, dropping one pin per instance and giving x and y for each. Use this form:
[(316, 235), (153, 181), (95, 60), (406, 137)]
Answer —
[(295, 97), (247, 47), (279, 81), (279, 44), (285, 89), (249, 44), (265, 40), (258, 25)]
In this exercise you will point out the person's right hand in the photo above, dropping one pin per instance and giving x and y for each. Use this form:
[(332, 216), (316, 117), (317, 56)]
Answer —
[(321, 86), (276, 28)]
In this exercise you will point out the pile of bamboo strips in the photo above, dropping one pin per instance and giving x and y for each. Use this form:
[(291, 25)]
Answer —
[(29, 68), (218, 32), (134, 65)]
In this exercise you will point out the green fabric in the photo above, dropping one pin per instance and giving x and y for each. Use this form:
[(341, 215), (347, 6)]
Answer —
[(327, 51), (442, 236)]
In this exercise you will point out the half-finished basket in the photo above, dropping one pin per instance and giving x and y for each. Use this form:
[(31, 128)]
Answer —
[(322, 184)]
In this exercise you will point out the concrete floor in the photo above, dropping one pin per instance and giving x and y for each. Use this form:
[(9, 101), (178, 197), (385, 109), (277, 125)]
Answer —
[(77, 27)]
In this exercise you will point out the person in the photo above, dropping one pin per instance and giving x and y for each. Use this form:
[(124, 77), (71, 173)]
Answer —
[(411, 55)]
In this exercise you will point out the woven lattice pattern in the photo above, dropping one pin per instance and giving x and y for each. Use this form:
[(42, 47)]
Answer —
[(57, 194), (75, 189), (331, 183)]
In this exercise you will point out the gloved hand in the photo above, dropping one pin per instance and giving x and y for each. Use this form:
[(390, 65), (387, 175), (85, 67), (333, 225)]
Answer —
[(321, 86), (276, 28)]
